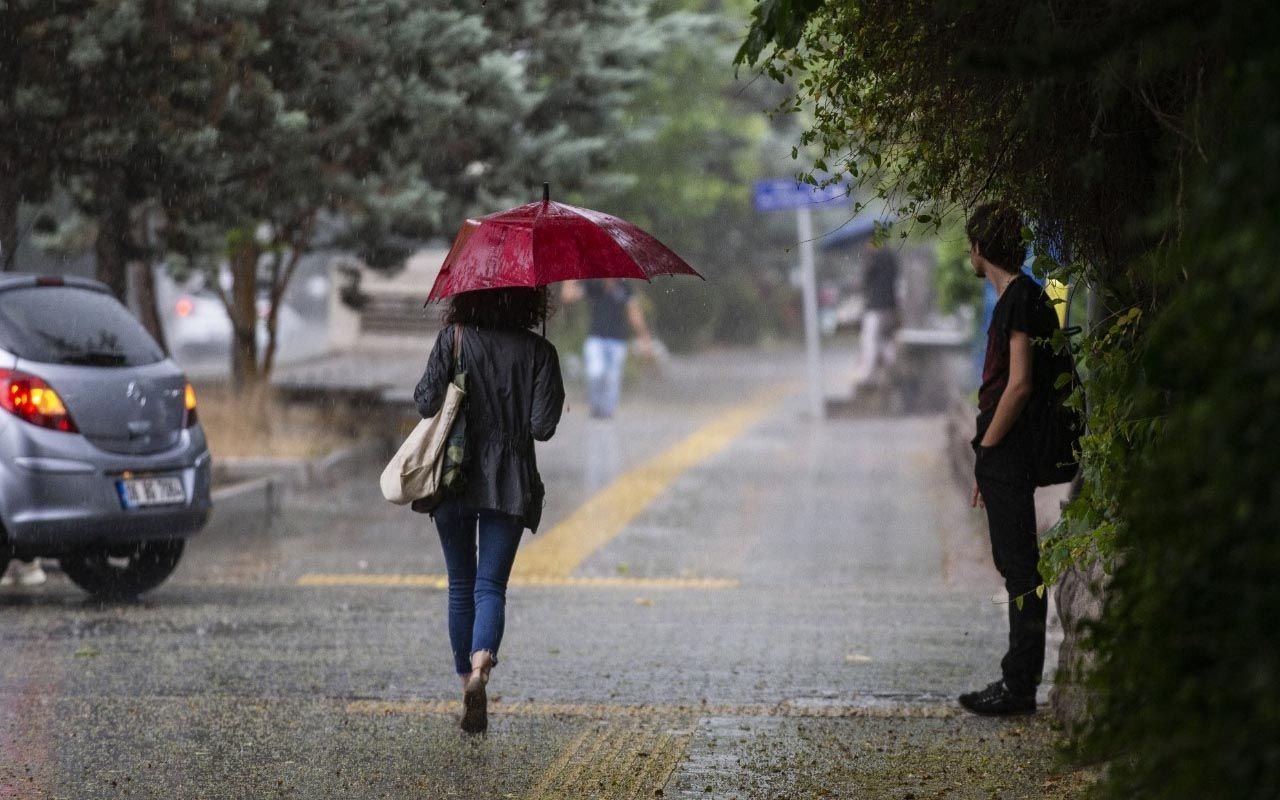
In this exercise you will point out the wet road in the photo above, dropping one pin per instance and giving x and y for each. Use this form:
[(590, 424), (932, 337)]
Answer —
[(726, 600)]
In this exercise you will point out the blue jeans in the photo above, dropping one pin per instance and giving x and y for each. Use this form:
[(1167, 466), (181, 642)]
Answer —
[(477, 576), (603, 360)]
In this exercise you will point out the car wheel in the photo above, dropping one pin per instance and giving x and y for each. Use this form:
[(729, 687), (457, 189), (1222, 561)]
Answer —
[(121, 572)]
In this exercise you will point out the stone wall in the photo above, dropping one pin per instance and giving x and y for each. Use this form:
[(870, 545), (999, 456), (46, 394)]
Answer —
[(1079, 596)]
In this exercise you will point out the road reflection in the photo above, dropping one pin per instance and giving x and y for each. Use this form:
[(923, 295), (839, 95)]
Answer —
[(601, 455)]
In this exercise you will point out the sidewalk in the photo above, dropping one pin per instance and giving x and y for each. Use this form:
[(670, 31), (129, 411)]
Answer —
[(729, 601)]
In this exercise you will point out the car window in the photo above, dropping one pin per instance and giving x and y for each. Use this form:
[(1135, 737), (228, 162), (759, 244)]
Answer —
[(70, 325)]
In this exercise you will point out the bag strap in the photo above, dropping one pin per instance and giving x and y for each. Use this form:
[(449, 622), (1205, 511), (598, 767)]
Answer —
[(457, 348)]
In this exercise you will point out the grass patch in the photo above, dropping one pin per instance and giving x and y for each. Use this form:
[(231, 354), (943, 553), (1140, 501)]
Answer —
[(236, 426)]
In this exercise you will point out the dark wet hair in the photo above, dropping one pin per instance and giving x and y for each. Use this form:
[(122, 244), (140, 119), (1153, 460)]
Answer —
[(515, 307), (997, 231)]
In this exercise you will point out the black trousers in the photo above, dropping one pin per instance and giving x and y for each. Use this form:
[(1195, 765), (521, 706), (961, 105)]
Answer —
[(1008, 489)]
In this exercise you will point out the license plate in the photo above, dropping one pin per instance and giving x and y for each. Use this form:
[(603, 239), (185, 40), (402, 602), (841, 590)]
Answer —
[(142, 492)]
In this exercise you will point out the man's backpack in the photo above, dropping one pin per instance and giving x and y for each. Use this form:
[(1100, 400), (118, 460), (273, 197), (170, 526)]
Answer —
[(1055, 427)]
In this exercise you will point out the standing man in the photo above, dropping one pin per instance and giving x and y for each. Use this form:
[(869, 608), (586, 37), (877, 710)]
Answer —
[(880, 314), (1018, 365), (615, 311)]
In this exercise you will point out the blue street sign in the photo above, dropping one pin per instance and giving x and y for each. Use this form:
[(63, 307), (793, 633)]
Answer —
[(780, 194)]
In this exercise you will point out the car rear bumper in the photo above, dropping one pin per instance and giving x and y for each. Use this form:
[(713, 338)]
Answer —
[(52, 535), (65, 495)]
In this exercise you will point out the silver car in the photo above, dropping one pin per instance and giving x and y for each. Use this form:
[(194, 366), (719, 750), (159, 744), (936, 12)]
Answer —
[(103, 464)]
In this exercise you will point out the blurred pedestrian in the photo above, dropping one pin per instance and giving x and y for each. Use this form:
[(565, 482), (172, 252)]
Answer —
[(880, 312), (1017, 367), (615, 311), (23, 573), (514, 396)]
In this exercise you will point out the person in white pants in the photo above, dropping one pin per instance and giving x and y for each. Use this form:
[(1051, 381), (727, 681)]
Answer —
[(615, 313), (880, 315)]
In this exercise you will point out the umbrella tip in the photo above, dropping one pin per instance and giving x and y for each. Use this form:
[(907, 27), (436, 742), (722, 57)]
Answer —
[(546, 192)]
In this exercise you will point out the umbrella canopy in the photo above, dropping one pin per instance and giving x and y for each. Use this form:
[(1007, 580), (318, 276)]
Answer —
[(541, 243)]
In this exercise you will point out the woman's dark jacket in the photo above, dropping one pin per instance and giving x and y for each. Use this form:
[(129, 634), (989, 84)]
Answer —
[(514, 396)]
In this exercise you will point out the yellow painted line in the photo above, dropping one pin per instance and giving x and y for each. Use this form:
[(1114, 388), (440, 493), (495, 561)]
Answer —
[(624, 762), (606, 711), (442, 581), (566, 766), (561, 550), (662, 760), (374, 579)]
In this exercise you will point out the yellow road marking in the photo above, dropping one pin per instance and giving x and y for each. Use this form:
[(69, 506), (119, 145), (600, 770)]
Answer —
[(629, 761), (442, 581), (561, 550), (564, 764), (873, 708)]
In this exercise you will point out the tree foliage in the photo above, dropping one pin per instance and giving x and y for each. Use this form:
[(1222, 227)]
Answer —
[(1137, 136), (1189, 669), (253, 131), (696, 141)]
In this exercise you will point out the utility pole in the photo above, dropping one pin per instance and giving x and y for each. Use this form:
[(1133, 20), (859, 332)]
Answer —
[(784, 194)]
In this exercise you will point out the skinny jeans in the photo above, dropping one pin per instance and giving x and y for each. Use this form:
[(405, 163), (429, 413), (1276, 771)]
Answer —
[(1008, 489), (479, 548)]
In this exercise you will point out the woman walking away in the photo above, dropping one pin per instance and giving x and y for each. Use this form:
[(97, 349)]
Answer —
[(514, 396)]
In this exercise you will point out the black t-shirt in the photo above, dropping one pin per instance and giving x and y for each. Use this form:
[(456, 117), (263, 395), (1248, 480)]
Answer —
[(880, 285), (1024, 307), (608, 309)]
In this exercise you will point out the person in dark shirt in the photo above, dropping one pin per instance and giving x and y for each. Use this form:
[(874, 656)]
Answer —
[(615, 313), (1018, 364), (880, 314)]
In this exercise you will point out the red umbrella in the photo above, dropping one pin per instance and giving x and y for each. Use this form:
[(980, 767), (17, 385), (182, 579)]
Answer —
[(541, 243)]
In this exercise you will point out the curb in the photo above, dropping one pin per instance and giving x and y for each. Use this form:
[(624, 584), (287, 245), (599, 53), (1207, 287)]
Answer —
[(264, 495), (959, 451)]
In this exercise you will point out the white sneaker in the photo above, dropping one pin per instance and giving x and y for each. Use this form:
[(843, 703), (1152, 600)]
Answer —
[(31, 574)]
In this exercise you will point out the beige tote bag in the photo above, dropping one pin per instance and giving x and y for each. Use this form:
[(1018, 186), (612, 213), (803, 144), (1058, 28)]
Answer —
[(414, 472)]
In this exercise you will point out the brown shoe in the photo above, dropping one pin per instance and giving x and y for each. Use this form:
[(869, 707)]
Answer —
[(475, 703)]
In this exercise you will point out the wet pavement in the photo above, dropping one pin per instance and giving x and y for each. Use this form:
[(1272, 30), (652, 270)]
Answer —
[(726, 600)]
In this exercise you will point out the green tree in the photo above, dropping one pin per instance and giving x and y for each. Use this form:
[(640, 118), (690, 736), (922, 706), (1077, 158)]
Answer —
[(334, 109), (695, 142), (1188, 676), (146, 82), (388, 122), (35, 39), (252, 131), (100, 101)]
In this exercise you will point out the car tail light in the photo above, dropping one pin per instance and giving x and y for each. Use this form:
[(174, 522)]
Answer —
[(189, 398), (31, 399)]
